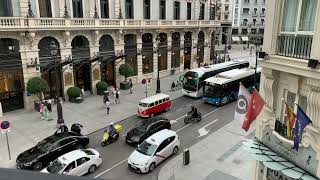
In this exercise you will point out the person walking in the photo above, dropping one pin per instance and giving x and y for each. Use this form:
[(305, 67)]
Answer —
[(130, 86), (108, 105), (117, 96), (173, 85), (82, 92)]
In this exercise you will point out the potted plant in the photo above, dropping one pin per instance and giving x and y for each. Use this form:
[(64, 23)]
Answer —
[(74, 93), (127, 71), (37, 86), (101, 87)]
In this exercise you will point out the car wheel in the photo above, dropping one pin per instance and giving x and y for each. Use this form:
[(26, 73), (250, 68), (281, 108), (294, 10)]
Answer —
[(152, 167), (79, 146), (37, 166), (92, 168), (175, 150)]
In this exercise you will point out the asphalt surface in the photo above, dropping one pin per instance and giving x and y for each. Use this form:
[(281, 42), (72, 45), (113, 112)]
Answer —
[(115, 166)]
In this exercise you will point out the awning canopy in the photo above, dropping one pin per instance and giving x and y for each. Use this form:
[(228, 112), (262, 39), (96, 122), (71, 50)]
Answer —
[(273, 161), (235, 38), (245, 38)]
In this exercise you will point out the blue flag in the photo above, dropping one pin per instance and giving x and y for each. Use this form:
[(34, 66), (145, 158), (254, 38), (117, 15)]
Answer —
[(301, 122)]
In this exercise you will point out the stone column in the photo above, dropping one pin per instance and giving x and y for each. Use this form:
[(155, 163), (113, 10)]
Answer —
[(206, 56), (139, 57), (194, 52), (66, 54), (181, 52), (169, 45), (155, 56)]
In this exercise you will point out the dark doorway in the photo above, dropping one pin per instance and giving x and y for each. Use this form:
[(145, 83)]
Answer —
[(80, 56), (147, 53), (46, 60), (187, 50), (163, 52), (106, 50), (130, 49), (11, 75), (175, 54), (200, 49)]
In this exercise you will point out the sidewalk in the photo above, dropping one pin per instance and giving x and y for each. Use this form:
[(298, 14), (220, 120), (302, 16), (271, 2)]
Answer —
[(217, 157), (27, 128)]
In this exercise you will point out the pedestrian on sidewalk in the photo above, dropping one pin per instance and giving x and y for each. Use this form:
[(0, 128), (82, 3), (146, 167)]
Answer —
[(113, 92), (117, 96), (130, 86), (41, 109), (173, 85), (108, 105), (82, 92)]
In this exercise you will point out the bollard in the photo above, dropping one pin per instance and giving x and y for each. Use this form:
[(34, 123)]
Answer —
[(186, 157)]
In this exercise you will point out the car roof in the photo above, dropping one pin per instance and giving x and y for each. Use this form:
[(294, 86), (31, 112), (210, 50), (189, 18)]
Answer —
[(153, 120), (158, 137), (154, 98), (56, 137), (72, 156)]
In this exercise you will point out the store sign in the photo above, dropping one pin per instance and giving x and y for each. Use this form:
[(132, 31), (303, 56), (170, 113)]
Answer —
[(276, 175), (305, 158)]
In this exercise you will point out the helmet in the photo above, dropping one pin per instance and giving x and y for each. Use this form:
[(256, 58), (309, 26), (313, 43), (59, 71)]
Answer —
[(192, 107), (111, 123)]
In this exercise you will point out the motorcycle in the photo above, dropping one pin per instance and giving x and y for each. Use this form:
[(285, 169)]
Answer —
[(190, 119), (107, 138)]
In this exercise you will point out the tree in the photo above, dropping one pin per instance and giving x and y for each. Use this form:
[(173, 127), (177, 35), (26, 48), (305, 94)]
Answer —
[(37, 86), (126, 70)]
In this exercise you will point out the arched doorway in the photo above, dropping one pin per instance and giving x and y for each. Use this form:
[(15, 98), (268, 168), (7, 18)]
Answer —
[(175, 54), (106, 50), (49, 74), (163, 49), (11, 75), (200, 49), (130, 49), (80, 55), (147, 53), (187, 50)]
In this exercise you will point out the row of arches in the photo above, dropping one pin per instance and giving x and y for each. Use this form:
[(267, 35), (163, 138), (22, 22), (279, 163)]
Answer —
[(11, 74)]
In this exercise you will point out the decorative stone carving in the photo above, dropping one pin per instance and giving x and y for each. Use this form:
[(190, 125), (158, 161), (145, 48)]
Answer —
[(31, 37), (66, 36), (313, 107), (96, 74), (268, 91), (95, 37)]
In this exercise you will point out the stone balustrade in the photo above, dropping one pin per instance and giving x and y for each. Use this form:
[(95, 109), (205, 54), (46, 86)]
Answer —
[(23, 23)]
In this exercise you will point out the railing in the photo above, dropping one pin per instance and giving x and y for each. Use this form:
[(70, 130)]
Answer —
[(254, 14), (262, 14), (298, 46), (7, 23)]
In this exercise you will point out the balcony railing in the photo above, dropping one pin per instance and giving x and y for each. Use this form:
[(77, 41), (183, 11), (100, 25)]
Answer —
[(254, 14), (263, 14), (294, 46), (22, 23)]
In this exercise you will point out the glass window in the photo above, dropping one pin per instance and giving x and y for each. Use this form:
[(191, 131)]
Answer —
[(202, 9), (146, 9), (157, 102), (303, 102), (5, 8), (308, 14), (245, 10), (291, 99), (44, 145), (82, 160), (146, 148), (160, 101), (151, 105), (129, 9), (88, 151), (188, 11), (55, 167), (104, 6), (70, 167), (162, 9), (66, 141), (45, 8), (176, 10), (289, 15), (77, 8)]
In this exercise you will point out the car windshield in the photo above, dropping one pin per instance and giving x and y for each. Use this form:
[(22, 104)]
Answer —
[(55, 167), (44, 145), (146, 148), (88, 151), (143, 104), (141, 129)]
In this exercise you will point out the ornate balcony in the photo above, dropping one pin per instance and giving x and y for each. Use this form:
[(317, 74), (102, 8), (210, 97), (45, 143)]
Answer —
[(22, 23)]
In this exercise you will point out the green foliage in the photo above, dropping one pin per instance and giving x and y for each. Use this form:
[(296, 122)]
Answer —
[(74, 91), (126, 70), (101, 86), (37, 85)]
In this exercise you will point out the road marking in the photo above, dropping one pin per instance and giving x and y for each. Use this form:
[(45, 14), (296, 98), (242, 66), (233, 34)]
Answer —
[(110, 168), (202, 131), (179, 109), (183, 127), (211, 112)]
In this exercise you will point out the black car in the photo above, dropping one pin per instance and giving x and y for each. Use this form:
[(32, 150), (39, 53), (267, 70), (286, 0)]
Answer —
[(152, 125), (49, 149)]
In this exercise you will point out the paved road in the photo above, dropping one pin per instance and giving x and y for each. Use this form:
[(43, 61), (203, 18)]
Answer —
[(115, 156)]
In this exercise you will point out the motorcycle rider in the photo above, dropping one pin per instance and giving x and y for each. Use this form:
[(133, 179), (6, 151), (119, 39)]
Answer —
[(194, 112), (112, 129)]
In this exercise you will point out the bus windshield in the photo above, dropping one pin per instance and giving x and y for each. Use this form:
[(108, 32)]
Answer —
[(143, 104), (190, 81), (213, 91)]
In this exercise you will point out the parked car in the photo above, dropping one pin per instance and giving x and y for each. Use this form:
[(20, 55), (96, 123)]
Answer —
[(153, 151), (50, 149), (152, 125), (76, 163)]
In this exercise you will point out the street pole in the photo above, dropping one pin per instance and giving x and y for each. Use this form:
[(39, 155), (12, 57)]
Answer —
[(54, 51), (8, 145), (158, 78), (255, 69)]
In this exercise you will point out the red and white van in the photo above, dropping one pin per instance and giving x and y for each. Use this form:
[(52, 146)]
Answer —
[(150, 106)]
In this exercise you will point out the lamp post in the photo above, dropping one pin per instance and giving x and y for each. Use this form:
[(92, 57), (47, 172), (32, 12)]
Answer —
[(256, 43), (225, 45), (54, 51), (158, 78)]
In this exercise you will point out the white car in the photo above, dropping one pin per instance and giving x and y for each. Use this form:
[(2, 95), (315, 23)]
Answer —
[(153, 151), (76, 163)]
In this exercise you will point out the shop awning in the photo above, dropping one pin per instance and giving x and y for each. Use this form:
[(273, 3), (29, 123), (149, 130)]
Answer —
[(235, 38), (273, 161), (245, 38)]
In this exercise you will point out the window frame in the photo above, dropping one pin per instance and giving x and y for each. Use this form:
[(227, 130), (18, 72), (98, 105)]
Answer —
[(163, 9), (107, 11), (131, 5), (86, 160), (74, 10), (146, 9), (189, 13), (176, 10)]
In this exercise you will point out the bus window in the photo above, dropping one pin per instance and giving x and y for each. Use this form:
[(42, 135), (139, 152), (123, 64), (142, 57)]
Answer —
[(151, 105), (160, 101), (143, 104), (167, 99), (156, 103)]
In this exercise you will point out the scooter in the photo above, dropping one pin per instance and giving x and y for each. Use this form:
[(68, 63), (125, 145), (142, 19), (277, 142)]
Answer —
[(189, 119), (107, 139)]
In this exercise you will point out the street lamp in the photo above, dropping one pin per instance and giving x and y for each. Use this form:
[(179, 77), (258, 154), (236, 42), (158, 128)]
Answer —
[(256, 43), (158, 78), (54, 51)]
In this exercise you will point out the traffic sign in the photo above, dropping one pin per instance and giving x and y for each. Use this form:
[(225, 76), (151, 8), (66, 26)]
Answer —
[(5, 126)]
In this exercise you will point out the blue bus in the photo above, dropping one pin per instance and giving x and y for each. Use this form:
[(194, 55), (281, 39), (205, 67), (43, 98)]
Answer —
[(224, 87)]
